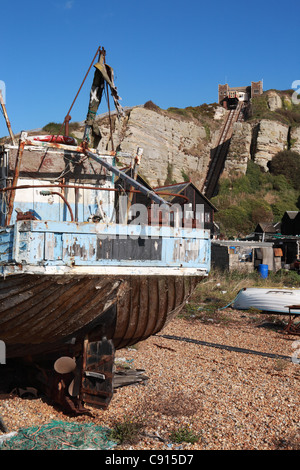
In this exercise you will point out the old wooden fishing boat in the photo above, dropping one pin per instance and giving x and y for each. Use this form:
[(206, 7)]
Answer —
[(78, 279)]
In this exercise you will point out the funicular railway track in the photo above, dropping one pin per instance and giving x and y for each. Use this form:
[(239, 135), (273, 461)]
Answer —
[(220, 152)]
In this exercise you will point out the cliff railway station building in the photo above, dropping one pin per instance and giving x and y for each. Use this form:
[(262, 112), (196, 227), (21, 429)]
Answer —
[(229, 97)]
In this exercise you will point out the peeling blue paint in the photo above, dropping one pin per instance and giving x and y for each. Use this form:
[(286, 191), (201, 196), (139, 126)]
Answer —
[(68, 243), (54, 239)]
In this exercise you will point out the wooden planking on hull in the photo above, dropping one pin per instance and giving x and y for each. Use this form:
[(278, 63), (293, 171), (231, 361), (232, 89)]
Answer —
[(160, 299), (45, 317), (143, 305)]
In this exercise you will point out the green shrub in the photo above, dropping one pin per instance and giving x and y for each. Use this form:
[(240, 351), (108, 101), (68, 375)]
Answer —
[(242, 185), (254, 175), (287, 163), (259, 107), (184, 434), (127, 431), (53, 128), (280, 183), (261, 212), (234, 221), (225, 186), (242, 201), (184, 175), (197, 112), (289, 114), (286, 202)]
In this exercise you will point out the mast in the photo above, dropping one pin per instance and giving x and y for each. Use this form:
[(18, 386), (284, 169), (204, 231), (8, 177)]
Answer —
[(103, 75), (6, 119)]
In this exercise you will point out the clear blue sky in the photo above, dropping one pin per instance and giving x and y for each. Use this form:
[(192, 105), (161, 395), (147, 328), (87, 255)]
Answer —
[(172, 52)]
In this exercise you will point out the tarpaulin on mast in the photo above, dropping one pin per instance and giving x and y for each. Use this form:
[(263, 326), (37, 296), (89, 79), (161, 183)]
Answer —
[(103, 74)]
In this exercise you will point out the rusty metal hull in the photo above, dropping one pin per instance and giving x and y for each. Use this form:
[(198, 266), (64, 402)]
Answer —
[(52, 313)]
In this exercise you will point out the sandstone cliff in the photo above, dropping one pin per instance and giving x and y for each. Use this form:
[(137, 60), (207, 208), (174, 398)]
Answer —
[(261, 138), (176, 148), (259, 141), (178, 143)]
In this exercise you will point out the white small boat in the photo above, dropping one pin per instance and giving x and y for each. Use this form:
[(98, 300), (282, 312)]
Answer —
[(268, 300)]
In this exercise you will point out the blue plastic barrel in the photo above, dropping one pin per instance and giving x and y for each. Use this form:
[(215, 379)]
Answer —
[(263, 270)]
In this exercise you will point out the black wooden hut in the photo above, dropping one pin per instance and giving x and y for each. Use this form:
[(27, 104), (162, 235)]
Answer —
[(188, 194), (290, 223)]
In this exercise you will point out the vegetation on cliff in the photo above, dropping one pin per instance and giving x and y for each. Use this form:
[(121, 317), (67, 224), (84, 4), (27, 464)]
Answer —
[(258, 196), (288, 113)]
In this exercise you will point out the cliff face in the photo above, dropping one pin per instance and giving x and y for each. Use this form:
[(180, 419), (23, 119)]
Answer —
[(257, 141), (240, 148), (177, 148), (261, 139), (272, 137)]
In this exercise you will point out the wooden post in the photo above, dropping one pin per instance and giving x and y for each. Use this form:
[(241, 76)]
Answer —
[(6, 119), (16, 176), (137, 162)]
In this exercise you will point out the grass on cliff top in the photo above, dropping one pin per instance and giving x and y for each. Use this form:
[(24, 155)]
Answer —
[(289, 114), (198, 112)]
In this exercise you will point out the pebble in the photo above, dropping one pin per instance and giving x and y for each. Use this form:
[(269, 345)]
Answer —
[(229, 400)]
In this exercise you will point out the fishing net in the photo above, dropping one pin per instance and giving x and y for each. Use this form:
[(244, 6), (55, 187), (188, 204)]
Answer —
[(58, 435)]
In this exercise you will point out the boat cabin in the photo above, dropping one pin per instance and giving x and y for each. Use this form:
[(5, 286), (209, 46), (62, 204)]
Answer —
[(53, 184), (62, 199)]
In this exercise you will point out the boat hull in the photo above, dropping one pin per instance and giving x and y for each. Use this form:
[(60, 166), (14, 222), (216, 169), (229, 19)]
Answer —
[(268, 300), (45, 314)]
